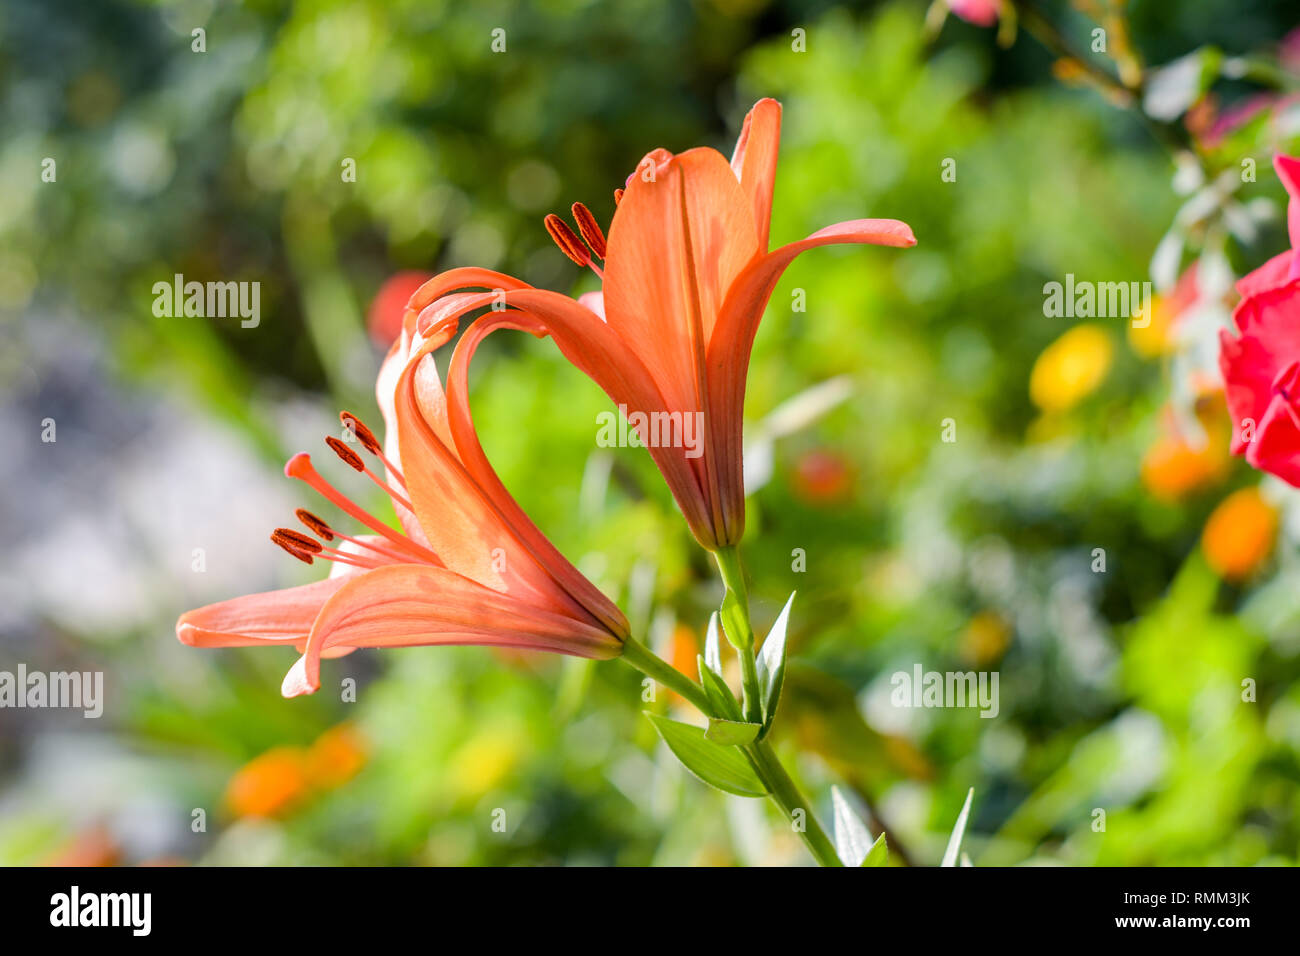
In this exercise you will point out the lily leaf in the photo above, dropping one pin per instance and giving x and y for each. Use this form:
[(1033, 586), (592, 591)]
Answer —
[(771, 665), (852, 838), (958, 831), (878, 855), (719, 694), (713, 646), (719, 766), (735, 733)]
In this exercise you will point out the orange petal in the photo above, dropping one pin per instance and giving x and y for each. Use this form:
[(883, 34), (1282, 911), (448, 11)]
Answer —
[(471, 451), (449, 281), (462, 521), (601, 353), (410, 605), (733, 340), (675, 245), (272, 617), (754, 162)]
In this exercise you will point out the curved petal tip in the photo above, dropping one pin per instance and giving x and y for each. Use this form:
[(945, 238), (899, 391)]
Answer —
[(296, 682)]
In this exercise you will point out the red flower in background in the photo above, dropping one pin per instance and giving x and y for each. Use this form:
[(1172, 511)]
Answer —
[(1261, 365), (384, 320)]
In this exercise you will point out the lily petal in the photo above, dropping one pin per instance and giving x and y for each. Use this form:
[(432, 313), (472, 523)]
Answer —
[(471, 451), (271, 617), (450, 281), (601, 353), (733, 340), (408, 605), (462, 522), (754, 162), (675, 245)]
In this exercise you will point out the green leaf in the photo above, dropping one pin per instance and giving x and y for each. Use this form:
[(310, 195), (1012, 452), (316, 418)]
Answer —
[(713, 646), (723, 767), (771, 665), (852, 838), (958, 831), (734, 623), (735, 733), (878, 855), (719, 694)]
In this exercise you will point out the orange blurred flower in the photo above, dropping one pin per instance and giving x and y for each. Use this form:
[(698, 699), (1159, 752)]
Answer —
[(1239, 534), (683, 647), (1174, 467), (270, 784), (93, 846), (337, 756)]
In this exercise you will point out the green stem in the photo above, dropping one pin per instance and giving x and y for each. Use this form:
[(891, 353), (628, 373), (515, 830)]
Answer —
[(782, 788), (648, 663), (785, 793), (733, 578)]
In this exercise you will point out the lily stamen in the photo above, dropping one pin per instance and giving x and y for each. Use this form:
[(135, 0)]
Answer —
[(370, 443), (304, 556), (322, 529), (570, 244), (299, 540), (316, 525), (590, 229), (353, 461), (300, 467), (346, 454)]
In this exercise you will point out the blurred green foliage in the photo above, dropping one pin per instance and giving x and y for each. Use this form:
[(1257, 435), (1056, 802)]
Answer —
[(1119, 690)]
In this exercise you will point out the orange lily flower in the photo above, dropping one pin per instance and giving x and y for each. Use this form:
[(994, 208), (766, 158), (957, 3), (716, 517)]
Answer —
[(687, 276), (469, 567)]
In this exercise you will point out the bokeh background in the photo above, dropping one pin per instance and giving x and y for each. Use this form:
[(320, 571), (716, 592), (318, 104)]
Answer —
[(1121, 683)]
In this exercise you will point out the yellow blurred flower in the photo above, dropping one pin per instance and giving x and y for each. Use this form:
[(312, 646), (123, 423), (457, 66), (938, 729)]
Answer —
[(269, 784), (986, 638), (1239, 534), (1156, 338), (484, 761), (1071, 368)]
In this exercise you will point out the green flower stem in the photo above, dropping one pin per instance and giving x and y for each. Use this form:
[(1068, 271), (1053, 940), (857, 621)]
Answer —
[(785, 793), (648, 663), (733, 577), (783, 790)]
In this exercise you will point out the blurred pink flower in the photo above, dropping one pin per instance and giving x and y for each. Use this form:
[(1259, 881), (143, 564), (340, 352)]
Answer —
[(983, 13)]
